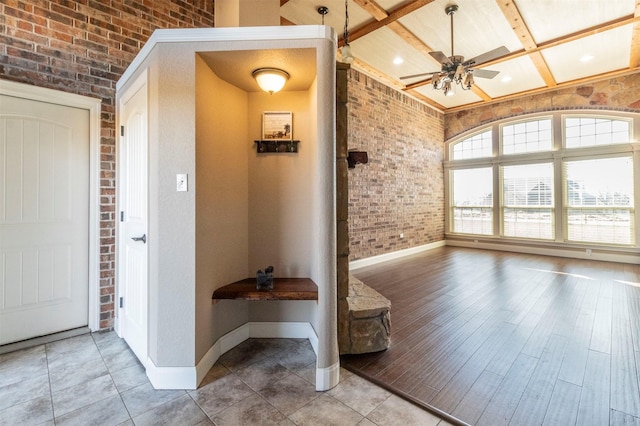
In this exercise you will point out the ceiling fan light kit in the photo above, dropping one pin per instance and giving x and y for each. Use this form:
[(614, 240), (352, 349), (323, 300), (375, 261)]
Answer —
[(347, 56), (455, 69)]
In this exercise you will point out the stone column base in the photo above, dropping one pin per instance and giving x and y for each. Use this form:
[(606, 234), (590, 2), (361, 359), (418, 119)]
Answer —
[(369, 319)]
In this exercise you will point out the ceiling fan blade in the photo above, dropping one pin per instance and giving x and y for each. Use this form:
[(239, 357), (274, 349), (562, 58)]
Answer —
[(487, 56), (440, 57), (485, 73), (404, 77)]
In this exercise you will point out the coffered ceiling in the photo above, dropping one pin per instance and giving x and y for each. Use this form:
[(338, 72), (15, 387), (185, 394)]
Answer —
[(552, 43)]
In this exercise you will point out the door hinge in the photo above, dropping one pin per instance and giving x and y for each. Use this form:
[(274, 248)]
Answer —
[(122, 216), (122, 302), (121, 130)]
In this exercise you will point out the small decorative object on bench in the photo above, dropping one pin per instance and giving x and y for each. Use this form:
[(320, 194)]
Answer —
[(264, 280)]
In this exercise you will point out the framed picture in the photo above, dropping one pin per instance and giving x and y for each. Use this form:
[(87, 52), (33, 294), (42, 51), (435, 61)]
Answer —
[(277, 125)]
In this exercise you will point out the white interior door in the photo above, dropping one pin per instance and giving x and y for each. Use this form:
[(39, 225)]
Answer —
[(133, 237), (44, 218)]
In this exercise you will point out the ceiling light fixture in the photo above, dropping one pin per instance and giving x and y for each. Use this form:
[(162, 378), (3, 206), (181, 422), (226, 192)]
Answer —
[(323, 10), (271, 80), (455, 69), (347, 57), (398, 60)]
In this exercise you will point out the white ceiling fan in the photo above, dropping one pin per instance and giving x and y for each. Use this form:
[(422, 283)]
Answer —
[(455, 69)]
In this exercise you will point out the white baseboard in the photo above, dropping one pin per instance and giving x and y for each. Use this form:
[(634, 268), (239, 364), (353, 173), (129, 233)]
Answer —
[(361, 263), (573, 252), (327, 378), (190, 377), (171, 377)]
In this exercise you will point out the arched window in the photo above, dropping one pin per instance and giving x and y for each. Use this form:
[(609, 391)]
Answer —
[(561, 178)]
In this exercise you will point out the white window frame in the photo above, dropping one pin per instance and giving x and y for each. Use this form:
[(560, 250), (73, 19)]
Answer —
[(504, 206), (451, 206), (556, 155)]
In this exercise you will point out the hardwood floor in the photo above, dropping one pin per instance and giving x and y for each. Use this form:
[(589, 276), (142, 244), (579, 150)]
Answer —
[(496, 338)]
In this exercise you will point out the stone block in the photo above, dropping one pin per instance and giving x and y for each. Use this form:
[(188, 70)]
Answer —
[(369, 320)]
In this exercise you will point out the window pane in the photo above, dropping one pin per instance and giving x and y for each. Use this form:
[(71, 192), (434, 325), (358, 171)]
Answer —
[(473, 220), (530, 136), (528, 223), (472, 201), (609, 226), (525, 189), (477, 146), (586, 131), (599, 196)]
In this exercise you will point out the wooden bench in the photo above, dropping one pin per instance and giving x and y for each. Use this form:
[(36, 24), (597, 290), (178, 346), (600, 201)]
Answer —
[(283, 289)]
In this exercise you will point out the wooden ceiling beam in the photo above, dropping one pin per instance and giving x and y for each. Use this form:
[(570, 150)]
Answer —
[(578, 82), (616, 23), (634, 61), (511, 12), (543, 68), (513, 16), (373, 8), (379, 13), (393, 16), (377, 74), (481, 93)]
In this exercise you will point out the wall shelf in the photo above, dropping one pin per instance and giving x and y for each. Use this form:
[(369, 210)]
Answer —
[(264, 146), (283, 289)]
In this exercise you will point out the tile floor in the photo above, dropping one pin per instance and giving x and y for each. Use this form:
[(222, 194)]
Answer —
[(94, 379)]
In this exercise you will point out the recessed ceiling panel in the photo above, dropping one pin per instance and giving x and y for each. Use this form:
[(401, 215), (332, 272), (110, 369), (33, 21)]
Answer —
[(236, 66), (479, 26), (550, 19), (381, 47), (516, 75), (593, 55), (305, 12)]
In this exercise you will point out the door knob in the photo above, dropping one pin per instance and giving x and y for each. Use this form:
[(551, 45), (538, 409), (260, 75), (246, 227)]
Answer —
[(143, 238)]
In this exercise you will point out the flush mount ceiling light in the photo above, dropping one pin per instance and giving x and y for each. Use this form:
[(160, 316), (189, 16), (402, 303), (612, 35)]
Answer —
[(454, 69), (271, 80)]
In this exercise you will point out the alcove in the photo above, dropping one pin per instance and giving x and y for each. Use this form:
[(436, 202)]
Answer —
[(244, 210)]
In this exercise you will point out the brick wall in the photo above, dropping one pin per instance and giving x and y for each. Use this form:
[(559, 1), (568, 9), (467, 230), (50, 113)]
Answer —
[(83, 47), (401, 189), (618, 94)]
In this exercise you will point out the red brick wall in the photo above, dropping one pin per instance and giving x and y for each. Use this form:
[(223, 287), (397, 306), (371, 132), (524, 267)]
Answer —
[(617, 94), (83, 47), (401, 189)]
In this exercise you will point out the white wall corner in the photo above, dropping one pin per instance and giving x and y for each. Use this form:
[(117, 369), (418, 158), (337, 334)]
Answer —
[(327, 378), (171, 377)]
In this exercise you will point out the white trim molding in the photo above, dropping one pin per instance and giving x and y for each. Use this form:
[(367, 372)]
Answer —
[(94, 107), (361, 263), (226, 34), (568, 251), (327, 378), (190, 377)]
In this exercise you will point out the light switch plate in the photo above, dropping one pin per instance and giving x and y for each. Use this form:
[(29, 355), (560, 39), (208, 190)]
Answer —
[(182, 183)]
